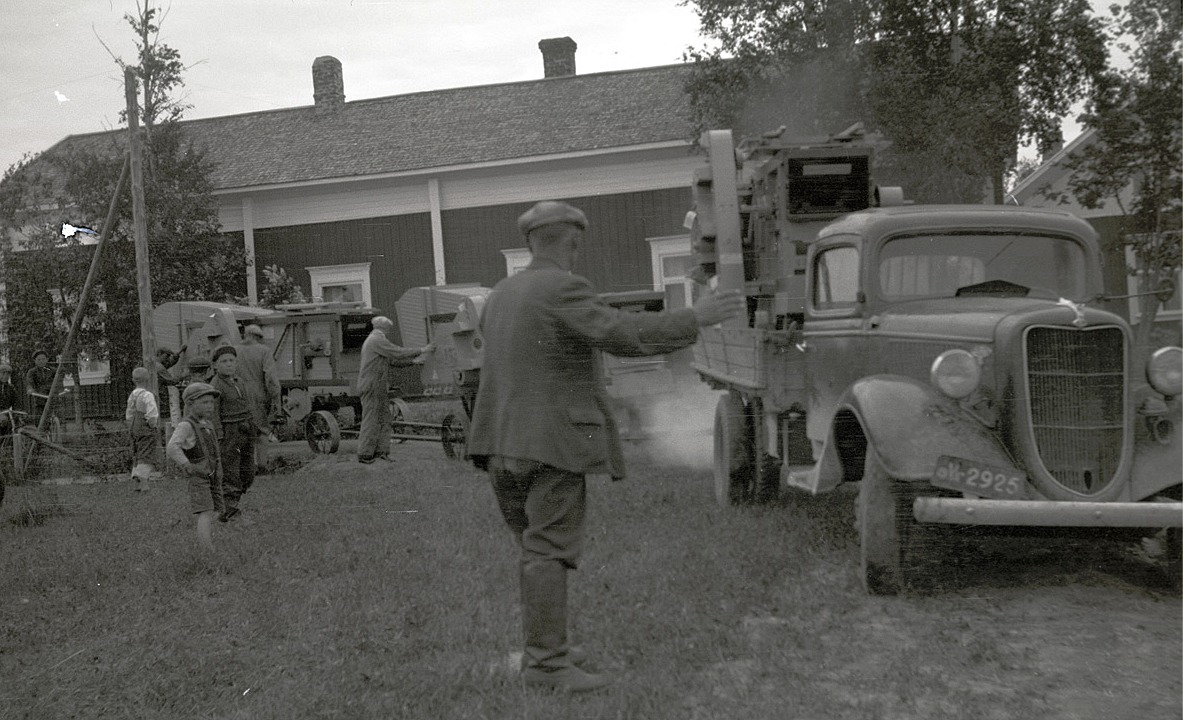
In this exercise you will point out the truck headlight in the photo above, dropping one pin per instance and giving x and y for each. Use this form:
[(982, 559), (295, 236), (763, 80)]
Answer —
[(956, 373), (1164, 371)]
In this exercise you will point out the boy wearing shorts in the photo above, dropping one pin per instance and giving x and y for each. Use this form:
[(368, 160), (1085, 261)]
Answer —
[(143, 417), (194, 448)]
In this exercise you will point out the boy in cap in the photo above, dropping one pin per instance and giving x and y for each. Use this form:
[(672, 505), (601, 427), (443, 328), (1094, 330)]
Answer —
[(143, 417), (194, 448), (542, 420), (237, 432)]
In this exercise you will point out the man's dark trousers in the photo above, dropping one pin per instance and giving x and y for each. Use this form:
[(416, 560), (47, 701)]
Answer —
[(544, 507)]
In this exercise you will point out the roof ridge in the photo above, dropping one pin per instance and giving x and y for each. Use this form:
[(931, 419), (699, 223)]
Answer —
[(387, 98)]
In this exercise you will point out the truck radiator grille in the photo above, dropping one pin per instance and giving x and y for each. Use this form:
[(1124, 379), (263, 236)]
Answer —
[(1077, 385)]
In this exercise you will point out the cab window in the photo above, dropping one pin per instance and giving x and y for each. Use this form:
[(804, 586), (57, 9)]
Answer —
[(835, 279)]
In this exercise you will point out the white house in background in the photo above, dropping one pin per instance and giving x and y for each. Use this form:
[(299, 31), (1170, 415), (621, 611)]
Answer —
[(1049, 181)]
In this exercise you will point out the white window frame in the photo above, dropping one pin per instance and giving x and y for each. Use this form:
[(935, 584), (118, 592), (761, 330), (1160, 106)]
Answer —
[(669, 246), (516, 260), (1135, 305), (322, 275)]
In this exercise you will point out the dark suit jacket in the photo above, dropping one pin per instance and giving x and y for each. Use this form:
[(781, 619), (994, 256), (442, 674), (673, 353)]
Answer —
[(541, 396)]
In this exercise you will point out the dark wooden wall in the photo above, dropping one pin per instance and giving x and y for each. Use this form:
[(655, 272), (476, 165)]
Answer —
[(399, 248), (614, 257)]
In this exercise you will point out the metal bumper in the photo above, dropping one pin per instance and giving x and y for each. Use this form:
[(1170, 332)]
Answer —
[(1046, 513)]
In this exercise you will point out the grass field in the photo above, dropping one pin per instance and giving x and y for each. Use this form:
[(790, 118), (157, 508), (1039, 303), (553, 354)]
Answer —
[(390, 592)]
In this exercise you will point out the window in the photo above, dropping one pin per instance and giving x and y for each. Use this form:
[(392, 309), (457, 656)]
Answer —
[(341, 283), (671, 260), (516, 260), (928, 266), (835, 279)]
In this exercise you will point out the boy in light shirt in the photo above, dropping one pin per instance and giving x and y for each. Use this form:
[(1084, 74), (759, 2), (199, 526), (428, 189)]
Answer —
[(143, 417)]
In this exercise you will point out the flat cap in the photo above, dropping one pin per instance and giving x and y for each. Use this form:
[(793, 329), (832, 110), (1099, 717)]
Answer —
[(253, 329), (40, 352), (5, 367), (221, 350), (198, 363), (196, 390), (548, 212)]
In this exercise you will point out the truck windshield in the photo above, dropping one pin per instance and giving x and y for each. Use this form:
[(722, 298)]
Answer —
[(934, 266)]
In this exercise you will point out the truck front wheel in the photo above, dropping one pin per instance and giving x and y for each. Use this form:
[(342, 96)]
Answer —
[(733, 463), (890, 540)]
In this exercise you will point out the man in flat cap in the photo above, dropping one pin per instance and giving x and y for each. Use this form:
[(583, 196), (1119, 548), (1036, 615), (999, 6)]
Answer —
[(256, 369), (378, 355), (542, 419)]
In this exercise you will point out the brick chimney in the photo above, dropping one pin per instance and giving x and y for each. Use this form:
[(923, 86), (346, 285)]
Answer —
[(328, 85), (558, 56)]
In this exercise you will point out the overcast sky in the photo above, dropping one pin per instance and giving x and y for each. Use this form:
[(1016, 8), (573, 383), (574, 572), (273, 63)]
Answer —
[(56, 78)]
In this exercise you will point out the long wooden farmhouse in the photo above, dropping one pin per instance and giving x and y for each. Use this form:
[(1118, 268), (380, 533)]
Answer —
[(364, 199)]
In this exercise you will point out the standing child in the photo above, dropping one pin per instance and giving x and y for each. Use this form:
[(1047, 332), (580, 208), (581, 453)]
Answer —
[(238, 431), (194, 448), (143, 416)]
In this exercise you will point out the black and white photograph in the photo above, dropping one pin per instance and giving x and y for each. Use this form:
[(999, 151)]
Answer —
[(566, 360)]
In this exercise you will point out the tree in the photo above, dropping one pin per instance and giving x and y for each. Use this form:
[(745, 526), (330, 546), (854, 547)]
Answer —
[(954, 87), (74, 181), (1136, 155), (279, 288)]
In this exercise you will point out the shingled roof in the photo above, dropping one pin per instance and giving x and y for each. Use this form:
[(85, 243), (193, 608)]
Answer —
[(440, 128)]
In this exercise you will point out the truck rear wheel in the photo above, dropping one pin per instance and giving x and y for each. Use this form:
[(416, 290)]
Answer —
[(891, 541), (733, 461), (765, 467)]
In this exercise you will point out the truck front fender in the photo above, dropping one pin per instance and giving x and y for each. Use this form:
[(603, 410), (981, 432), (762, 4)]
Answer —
[(1158, 447), (910, 425)]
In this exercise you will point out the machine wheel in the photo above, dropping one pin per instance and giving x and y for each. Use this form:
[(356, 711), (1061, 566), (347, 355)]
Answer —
[(891, 543), (454, 435), (733, 465), (399, 412), (322, 432)]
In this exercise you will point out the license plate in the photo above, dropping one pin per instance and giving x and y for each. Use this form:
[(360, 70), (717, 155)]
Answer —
[(977, 478)]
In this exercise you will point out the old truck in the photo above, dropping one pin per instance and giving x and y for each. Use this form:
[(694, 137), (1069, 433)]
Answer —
[(951, 360)]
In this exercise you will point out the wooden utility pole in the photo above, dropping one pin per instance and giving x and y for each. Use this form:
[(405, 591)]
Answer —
[(140, 228)]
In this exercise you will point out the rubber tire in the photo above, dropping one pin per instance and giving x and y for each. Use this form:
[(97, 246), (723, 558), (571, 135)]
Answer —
[(733, 467), (322, 432), (892, 544), (765, 467)]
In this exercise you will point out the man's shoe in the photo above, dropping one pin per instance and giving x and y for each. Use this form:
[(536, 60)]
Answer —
[(384, 456), (229, 514), (365, 460), (566, 679), (576, 655)]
